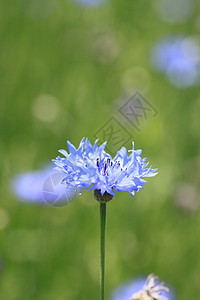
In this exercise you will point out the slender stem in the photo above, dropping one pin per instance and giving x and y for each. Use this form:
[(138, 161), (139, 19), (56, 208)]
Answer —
[(102, 247)]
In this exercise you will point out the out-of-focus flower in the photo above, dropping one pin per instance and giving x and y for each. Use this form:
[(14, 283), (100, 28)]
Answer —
[(142, 289), (106, 48), (186, 197), (152, 290), (178, 58), (90, 166), (42, 186), (174, 11), (90, 2)]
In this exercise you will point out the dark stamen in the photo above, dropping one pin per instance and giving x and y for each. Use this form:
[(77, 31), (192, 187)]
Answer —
[(97, 162)]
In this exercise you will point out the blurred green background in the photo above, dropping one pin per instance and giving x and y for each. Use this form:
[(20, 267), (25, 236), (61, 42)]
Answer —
[(65, 68)]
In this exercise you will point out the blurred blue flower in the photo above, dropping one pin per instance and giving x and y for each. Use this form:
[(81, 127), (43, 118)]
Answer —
[(90, 166), (178, 58), (42, 186), (90, 2), (137, 289)]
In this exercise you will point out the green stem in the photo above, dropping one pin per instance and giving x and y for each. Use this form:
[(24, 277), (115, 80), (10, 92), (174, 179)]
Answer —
[(102, 247)]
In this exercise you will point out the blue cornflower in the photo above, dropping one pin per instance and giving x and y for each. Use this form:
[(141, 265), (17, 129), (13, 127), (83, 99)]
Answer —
[(92, 167), (42, 186), (142, 289), (178, 57), (90, 2)]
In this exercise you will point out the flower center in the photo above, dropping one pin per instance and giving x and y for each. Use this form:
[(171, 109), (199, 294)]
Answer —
[(102, 165)]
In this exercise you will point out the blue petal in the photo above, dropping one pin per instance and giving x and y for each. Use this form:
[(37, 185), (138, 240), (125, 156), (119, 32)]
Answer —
[(71, 148), (123, 173)]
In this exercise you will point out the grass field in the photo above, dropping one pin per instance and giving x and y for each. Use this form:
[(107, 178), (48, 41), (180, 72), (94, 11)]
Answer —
[(66, 69)]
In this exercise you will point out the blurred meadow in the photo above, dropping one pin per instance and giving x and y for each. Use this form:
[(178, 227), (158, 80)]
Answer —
[(67, 67)]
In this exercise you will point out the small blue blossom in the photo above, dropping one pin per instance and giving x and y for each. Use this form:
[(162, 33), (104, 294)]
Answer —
[(178, 57), (92, 167), (142, 289), (89, 2), (41, 186)]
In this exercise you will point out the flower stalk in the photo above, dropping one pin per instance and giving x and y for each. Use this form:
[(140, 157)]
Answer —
[(102, 247), (91, 167)]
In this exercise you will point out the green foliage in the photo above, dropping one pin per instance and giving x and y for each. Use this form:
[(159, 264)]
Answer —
[(63, 69)]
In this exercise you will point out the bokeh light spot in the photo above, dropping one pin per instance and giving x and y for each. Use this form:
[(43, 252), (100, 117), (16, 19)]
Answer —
[(46, 108)]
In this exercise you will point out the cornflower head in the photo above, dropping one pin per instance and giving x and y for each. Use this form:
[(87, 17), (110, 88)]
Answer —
[(92, 167), (141, 289), (152, 290)]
